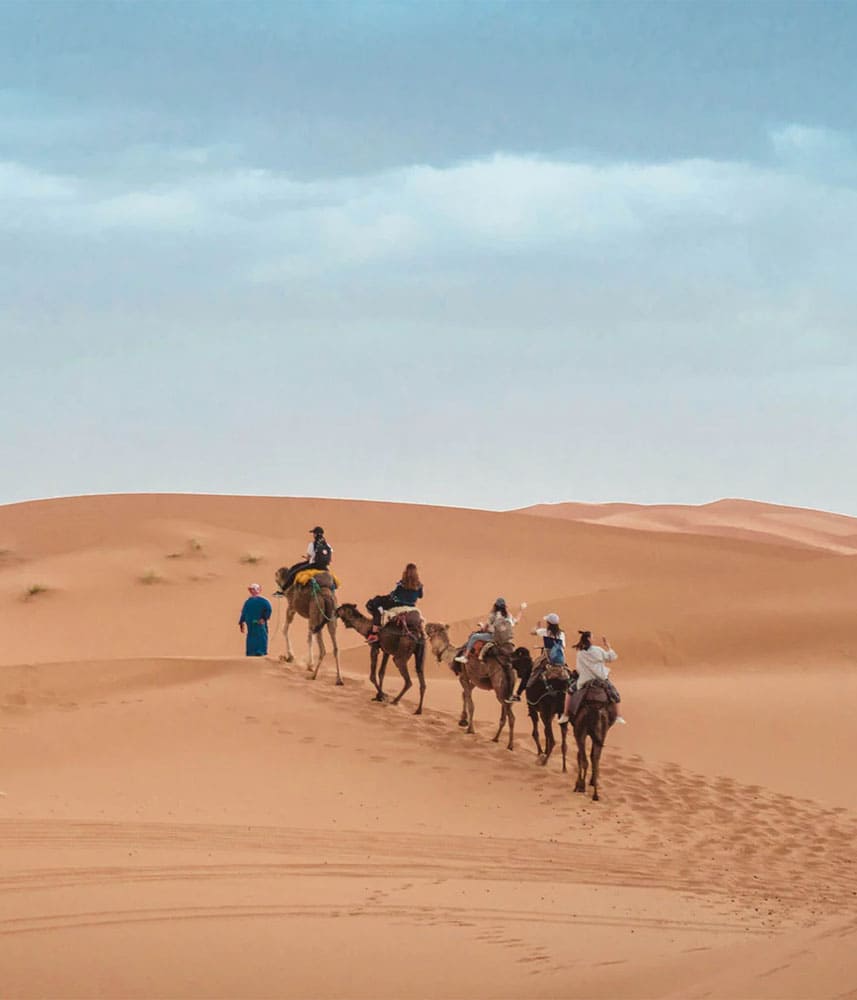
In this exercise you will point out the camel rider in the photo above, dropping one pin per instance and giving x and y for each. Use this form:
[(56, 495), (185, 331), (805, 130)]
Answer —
[(553, 639), (592, 665), (405, 594), (499, 630), (318, 556)]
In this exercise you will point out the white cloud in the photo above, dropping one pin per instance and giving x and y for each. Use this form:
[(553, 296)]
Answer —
[(669, 252)]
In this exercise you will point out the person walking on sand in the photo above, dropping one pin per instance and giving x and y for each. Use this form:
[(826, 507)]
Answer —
[(592, 666), (254, 621)]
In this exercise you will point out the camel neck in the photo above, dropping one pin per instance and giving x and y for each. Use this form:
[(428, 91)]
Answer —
[(361, 624)]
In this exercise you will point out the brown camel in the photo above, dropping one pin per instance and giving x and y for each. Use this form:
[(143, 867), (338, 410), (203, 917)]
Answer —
[(488, 675), (399, 640), (591, 719), (316, 602)]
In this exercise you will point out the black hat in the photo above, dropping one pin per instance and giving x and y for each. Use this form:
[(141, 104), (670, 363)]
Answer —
[(316, 530)]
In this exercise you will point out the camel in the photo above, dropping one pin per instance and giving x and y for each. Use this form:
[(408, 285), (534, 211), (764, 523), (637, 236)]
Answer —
[(545, 699), (316, 602), (487, 674), (394, 640), (591, 719)]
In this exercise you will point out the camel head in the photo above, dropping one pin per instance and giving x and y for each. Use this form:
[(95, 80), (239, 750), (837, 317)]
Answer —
[(521, 660), (280, 576), (350, 615), (438, 637)]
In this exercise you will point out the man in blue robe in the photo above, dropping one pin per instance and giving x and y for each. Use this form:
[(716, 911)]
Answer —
[(254, 621)]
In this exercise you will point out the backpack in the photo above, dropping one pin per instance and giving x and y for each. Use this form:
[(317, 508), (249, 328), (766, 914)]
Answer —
[(556, 654), (323, 554)]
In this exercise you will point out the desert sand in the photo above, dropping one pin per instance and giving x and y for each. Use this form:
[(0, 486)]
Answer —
[(180, 821)]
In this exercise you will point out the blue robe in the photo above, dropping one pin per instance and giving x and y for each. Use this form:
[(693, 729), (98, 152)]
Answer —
[(255, 615)]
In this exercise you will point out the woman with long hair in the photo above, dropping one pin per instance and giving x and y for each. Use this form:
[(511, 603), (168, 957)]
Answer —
[(406, 593), (553, 638), (591, 666)]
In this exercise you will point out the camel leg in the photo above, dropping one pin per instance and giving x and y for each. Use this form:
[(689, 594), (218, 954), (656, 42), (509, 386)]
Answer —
[(506, 715), (319, 638), (597, 747), (385, 659), (468, 706), (582, 763), (534, 718), (598, 735), (331, 627), (550, 742), (373, 672), (502, 718), (463, 720), (290, 617), (564, 730), (309, 648), (419, 666), (402, 664)]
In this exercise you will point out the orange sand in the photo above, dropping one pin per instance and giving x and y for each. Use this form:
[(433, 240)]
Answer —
[(178, 820)]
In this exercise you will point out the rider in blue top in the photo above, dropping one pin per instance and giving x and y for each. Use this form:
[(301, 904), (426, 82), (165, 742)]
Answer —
[(406, 593)]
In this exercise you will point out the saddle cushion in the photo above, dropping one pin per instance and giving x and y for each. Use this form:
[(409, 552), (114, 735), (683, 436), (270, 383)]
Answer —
[(323, 577)]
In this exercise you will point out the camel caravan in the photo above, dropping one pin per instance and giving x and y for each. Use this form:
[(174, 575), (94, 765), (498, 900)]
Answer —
[(489, 660)]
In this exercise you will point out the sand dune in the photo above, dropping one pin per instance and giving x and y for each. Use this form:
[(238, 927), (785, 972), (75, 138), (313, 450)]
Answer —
[(741, 519), (180, 821)]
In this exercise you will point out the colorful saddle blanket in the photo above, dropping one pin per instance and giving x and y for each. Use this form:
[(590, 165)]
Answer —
[(307, 575)]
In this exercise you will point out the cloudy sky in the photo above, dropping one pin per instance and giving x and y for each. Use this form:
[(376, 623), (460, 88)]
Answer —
[(482, 254)]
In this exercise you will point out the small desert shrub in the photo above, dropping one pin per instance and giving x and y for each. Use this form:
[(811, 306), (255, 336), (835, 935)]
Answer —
[(34, 590), (250, 558), (150, 577), (174, 555), (195, 546)]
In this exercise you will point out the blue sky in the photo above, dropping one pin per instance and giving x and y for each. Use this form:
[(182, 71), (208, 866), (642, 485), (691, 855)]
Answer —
[(484, 254)]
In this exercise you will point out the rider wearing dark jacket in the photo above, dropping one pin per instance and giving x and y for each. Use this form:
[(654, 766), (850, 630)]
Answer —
[(318, 554), (405, 594)]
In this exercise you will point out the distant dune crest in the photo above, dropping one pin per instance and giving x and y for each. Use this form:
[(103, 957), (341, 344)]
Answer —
[(731, 518)]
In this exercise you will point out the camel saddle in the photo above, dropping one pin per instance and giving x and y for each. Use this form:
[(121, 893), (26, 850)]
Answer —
[(592, 693), (321, 577), (406, 620), (499, 650)]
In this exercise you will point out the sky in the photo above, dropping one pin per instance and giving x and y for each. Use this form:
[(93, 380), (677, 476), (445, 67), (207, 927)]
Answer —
[(479, 254)]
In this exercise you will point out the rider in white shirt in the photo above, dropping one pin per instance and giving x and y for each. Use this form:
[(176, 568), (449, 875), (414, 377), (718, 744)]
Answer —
[(592, 665)]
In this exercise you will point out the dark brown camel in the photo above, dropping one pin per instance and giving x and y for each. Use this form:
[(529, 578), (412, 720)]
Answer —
[(488, 675), (401, 641), (545, 699), (316, 602), (592, 719)]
